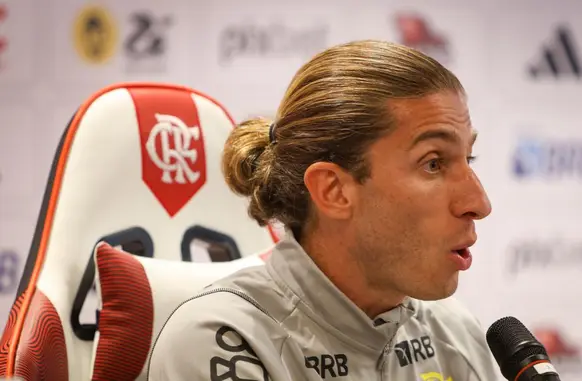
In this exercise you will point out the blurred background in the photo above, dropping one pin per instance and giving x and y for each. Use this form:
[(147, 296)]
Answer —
[(520, 61)]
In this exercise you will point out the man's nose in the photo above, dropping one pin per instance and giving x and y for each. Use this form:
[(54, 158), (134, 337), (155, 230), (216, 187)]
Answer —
[(470, 199)]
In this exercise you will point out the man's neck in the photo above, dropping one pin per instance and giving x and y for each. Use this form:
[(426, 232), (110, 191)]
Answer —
[(334, 259)]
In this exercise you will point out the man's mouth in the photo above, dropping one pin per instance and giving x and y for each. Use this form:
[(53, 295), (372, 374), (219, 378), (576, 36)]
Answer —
[(465, 253), (462, 257)]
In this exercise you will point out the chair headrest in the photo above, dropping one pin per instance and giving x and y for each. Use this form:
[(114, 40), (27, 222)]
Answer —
[(138, 167)]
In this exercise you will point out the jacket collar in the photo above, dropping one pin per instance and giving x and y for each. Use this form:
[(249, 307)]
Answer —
[(293, 269)]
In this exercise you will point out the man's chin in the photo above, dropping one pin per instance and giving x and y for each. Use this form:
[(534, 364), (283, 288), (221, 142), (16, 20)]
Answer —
[(435, 293)]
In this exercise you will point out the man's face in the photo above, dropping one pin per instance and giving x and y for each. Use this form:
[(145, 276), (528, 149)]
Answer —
[(422, 198)]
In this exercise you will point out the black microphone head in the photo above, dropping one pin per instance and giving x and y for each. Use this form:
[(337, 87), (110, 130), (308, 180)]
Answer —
[(513, 346)]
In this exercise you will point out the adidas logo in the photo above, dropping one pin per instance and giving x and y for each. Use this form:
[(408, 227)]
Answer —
[(559, 58)]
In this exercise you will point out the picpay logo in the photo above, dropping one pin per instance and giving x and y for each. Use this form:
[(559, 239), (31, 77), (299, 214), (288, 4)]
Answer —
[(146, 46), (274, 40)]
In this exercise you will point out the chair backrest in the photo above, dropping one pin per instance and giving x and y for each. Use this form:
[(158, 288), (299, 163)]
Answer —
[(131, 318), (138, 167)]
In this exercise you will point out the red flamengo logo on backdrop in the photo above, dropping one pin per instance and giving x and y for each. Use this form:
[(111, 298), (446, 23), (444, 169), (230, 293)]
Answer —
[(3, 40)]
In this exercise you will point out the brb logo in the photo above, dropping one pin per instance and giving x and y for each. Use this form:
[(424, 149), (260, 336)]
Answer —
[(335, 366), (9, 264), (172, 145)]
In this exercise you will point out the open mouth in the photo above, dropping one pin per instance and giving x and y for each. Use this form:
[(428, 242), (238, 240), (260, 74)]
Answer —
[(462, 257), (462, 252)]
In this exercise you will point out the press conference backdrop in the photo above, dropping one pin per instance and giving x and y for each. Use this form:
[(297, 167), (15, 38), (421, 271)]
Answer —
[(520, 62)]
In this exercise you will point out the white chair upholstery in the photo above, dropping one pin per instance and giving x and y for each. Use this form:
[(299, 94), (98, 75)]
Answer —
[(138, 167)]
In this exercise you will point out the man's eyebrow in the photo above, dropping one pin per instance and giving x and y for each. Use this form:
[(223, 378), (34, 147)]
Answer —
[(441, 134)]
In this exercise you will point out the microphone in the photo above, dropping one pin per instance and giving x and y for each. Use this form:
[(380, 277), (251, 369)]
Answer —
[(520, 356)]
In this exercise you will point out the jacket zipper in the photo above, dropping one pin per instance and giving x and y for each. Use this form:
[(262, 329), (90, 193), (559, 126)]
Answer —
[(383, 358), (385, 352)]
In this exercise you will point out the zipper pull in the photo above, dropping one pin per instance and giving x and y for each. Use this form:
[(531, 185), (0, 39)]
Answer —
[(383, 357)]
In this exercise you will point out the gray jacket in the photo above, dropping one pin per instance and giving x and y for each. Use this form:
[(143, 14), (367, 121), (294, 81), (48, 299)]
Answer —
[(287, 321)]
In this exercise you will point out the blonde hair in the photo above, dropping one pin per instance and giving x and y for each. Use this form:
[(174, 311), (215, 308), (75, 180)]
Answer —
[(335, 107)]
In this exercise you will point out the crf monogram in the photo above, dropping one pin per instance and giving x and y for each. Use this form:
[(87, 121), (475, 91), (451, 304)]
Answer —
[(173, 158)]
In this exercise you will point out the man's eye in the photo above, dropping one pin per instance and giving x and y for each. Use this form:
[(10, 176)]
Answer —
[(433, 166)]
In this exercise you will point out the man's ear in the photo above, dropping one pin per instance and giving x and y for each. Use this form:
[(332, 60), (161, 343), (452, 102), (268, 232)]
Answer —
[(332, 189)]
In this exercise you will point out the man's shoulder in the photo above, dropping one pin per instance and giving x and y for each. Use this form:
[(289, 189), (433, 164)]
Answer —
[(220, 302), (243, 299), (219, 326), (216, 311)]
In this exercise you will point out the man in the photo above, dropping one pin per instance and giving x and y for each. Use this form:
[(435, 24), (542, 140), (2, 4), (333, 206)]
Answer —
[(368, 167)]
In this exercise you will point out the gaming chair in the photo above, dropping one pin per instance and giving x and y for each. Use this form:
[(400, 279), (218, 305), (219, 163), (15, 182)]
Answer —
[(137, 167)]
